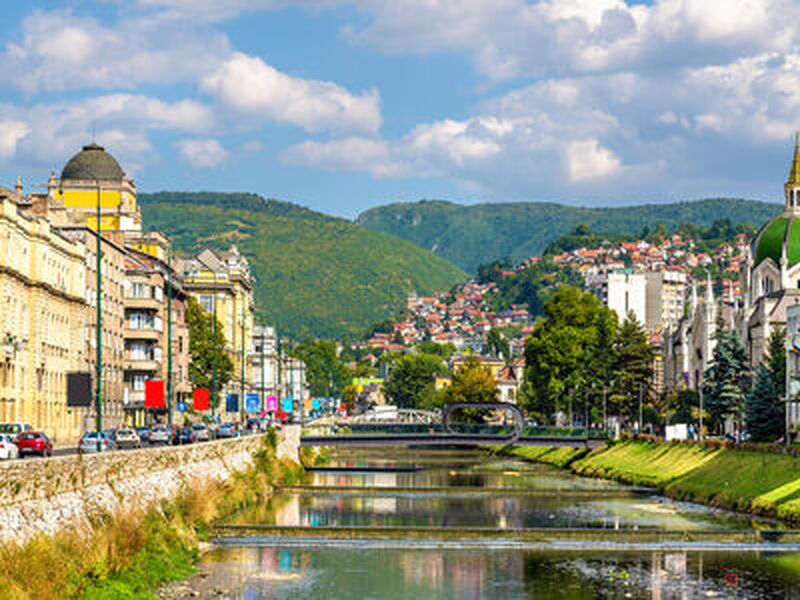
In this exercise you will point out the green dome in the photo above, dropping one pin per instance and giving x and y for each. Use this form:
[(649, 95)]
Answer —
[(93, 162), (772, 237)]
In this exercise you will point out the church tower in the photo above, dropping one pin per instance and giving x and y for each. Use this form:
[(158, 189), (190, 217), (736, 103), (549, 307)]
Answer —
[(792, 186)]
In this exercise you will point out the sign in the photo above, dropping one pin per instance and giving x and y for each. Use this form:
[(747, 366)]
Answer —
[(154, 393), (287, 405), (79, 389), (307, 404), (201, 398), (232, 402), (316, 403), (181, 406), (251, 403), (272, 403)]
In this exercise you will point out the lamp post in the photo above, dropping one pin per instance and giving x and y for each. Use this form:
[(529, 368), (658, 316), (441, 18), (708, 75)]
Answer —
[(263, 399), (241, 373), (169, 336), (214, 358), (99, 366)]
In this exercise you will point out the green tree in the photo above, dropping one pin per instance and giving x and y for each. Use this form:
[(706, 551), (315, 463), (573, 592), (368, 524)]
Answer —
[(201, 350), (632, 365), (765, 418), (683, 405), (443, 350), (560, 349), (325, 372), (411, 382), (472, 383), (777, 359), (497, 344), (727, 379)]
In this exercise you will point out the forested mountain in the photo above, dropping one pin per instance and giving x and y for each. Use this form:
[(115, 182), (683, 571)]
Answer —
[(469, 236), (316, 275)]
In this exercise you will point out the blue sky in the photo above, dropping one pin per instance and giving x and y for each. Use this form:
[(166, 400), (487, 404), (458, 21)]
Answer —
[(341, 105)]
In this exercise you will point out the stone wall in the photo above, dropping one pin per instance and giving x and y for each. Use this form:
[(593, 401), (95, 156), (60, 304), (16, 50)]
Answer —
[(43, 496)]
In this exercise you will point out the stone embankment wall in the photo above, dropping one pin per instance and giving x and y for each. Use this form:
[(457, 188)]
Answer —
[(45, 496)]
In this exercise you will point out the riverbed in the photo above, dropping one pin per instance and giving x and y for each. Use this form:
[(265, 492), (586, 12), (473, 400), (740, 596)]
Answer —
[(443, 491)]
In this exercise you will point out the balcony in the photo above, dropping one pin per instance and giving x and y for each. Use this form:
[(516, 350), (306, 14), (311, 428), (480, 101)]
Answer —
[(142, 334), (143, 303), (148, 365)]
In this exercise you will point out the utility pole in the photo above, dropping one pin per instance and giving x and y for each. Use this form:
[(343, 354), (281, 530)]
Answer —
[(605, 411), (263, 399), (700, 393), (99, 366), (641, 392), (241, 374), (169, 337), (214, 364)]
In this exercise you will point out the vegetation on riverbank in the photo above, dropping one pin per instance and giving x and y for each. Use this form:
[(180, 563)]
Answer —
[(128, 555), (758, 481)]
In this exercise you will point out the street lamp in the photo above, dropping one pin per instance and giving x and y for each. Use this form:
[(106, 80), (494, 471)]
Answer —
[(169, 335), (214, 359)]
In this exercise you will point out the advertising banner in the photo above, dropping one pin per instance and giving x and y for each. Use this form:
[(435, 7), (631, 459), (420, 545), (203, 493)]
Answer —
[(154, 393), (201, 398), (307, 405), (272, 403), (287, 404), (316, 403), (232, 402), (79, 389), (251, 403)]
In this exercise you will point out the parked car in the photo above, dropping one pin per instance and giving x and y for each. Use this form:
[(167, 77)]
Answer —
[(201, 432), (186, 435), (126, 438), (14, 428), (226, 430), (34, 442), (8, 449), (162, 435), (144, 434), (89, 440), (254, 424)]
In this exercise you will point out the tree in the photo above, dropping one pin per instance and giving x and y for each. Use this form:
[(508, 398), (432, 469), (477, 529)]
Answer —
[(201, 350), (443, 350), (325, 372), (497, 344), (727, 379), (777, 359), (559, 350), (764, 408), (472, 383), (683, 405), (411, 382), (633, 361)]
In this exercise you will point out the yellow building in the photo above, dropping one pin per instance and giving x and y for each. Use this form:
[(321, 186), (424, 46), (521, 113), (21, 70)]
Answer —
[(42, 320), (91, 174), (224, 279)]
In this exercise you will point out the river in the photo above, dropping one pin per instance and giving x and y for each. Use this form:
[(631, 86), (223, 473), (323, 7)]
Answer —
[(465, 489)]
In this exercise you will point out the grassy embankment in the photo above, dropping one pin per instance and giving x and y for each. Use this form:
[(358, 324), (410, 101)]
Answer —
[(128, 555), (763, 482)]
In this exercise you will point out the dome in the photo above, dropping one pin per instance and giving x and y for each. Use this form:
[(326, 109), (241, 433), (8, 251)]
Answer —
[(770, 241), (93, 162)]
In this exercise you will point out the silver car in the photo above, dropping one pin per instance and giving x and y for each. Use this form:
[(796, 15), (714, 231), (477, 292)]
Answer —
[(161, 435), (89, 442), (201, 432)]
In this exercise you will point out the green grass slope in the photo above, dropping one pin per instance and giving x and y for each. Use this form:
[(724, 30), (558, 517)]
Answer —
[(471, 235), (315, 275)]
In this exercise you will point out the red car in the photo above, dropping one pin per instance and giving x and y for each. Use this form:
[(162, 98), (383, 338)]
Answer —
[(34, 442)]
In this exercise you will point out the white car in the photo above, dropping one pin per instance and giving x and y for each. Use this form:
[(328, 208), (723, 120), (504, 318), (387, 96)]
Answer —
[(14, 429), (8, 449), (201, 432)]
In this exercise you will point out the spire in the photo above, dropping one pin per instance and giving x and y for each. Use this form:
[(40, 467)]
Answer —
[(709, 290), (794, 174)]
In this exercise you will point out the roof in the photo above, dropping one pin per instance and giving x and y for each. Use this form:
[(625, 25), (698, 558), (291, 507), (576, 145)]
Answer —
[(772, 238), (93, 162)]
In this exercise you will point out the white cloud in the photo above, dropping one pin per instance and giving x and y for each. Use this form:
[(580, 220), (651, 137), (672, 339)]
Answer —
[(11, 132), (202, 152), (587, 160), (249, 86), (60, 51)]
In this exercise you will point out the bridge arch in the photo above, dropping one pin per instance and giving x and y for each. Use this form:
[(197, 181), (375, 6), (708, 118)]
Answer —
[(519, 418)]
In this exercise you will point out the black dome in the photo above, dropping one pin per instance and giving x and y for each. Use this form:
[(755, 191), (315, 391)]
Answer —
[(93, 162)]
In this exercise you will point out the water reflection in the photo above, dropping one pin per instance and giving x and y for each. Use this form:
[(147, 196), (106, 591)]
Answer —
[(286, 572)]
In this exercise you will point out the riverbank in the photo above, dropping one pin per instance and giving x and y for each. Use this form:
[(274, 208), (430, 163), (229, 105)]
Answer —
[(759, 482), (129, 553)]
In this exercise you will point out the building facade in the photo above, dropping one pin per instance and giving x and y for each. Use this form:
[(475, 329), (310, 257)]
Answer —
[(42, 316), (621, 291)]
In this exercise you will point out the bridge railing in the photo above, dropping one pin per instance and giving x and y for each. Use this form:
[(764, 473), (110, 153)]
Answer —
[(467, 428)]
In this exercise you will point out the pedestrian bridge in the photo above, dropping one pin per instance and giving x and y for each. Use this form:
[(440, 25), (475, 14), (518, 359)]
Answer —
[(427, 432)]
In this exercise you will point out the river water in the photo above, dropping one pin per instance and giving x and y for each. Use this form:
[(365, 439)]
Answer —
[(449, 489)]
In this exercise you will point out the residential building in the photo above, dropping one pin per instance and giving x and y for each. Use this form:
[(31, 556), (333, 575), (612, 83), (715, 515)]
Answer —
[(223, 285), (42, 319), (665, 299), (623, 292)]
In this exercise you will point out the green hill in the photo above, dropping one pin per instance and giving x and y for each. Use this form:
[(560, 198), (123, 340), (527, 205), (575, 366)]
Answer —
[(472, 235), (315, 275)]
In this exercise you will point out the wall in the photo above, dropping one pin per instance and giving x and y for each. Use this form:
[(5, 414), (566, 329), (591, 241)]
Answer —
[(44, 496)]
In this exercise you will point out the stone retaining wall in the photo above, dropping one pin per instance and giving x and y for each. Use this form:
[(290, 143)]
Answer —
[(47, 495)]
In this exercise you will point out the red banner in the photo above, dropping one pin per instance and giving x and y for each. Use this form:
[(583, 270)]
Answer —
[(201, 398), (154, 393)]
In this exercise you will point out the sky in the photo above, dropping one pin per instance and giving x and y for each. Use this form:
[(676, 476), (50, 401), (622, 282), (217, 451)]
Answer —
[(342, 105)]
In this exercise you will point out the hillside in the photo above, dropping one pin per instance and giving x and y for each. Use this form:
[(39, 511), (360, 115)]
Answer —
[(472, 235), (315, 275)]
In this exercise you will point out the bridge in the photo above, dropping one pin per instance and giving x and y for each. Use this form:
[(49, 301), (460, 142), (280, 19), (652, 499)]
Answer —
[(419, 428)]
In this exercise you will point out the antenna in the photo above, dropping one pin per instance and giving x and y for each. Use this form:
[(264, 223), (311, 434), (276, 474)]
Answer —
[(92, 131)]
